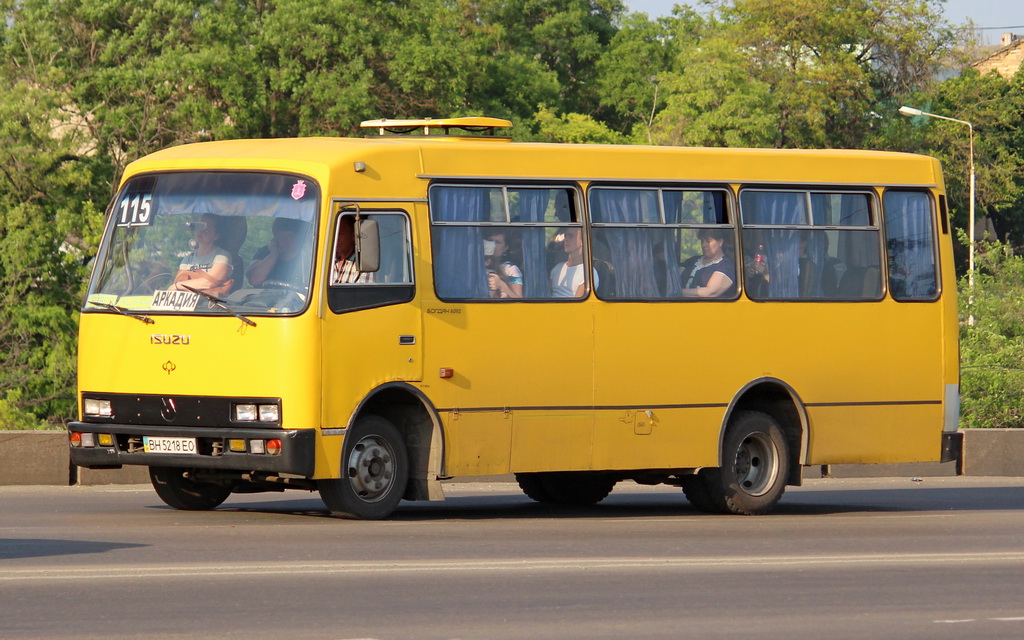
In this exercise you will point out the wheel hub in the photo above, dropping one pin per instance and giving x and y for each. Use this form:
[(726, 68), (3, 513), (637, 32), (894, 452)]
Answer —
[(371, 468), (756, 465)]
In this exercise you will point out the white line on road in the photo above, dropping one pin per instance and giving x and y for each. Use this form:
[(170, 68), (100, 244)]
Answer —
[(966, 620), (526, 565)]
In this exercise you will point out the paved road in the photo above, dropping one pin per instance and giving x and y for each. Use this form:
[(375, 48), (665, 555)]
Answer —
[(940, 558)]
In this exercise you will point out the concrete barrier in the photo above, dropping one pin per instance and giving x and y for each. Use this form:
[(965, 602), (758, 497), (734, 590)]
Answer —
[(35, 457), (993, 452), (42, 458)]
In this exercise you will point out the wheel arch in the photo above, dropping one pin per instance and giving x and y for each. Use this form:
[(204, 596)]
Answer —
[(416, 418), (781, 402)]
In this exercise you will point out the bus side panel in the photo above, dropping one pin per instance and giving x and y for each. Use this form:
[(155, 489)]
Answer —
[(682, 361), (869, 372), (478, 444), (528, 365), (657, 438), (855, 435), (362, 351), (552, 440)]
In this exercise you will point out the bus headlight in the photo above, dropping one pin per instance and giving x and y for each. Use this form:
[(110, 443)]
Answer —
[(269, 413), (245, 413), (252, 412), (97, 408)]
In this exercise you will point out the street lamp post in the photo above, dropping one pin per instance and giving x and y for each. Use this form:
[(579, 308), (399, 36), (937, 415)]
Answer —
[(911, 111)]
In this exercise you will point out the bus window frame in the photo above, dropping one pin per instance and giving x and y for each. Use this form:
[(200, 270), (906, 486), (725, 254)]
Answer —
[(347, 297), (110, 224), (939, 227), (876, 216), (578, 219), (731, 210)]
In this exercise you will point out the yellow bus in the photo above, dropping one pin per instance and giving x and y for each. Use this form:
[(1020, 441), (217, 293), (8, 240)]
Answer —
[(367, 317)]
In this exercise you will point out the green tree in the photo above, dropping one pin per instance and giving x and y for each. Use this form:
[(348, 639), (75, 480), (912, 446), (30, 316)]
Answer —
[(47, 223), (574, 127), (629, 69), (807, 73), (566, 36), (995, 108), (992, 349)]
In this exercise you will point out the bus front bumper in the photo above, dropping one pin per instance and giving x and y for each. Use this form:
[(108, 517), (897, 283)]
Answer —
[(204, 447)]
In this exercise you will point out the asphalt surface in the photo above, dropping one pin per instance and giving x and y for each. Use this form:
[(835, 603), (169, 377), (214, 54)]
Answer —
[(894, 558)]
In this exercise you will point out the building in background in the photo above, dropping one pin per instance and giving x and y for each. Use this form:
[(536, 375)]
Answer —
[(1005, 60)]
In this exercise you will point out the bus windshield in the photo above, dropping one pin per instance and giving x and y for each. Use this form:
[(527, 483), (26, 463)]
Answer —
[(179, 241)]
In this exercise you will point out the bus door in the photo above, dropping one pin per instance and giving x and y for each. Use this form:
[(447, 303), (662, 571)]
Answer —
[(372, 331)]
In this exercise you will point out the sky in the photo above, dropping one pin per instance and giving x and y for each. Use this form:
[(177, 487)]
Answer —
[(995, 16)]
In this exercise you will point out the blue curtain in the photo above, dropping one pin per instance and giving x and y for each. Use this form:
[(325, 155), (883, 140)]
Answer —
[(459, 270), (533, 203), (631, 250), (782, 246)]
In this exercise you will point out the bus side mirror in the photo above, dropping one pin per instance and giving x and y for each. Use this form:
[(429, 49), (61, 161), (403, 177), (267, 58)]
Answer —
[(367, 245)]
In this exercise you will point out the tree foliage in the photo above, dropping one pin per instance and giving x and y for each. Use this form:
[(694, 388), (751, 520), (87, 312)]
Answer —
[(992, 348), (796, 73)]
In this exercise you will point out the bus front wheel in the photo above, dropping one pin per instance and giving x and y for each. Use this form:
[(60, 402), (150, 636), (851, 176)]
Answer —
[(374, 472), (755, 464), (177, 490)]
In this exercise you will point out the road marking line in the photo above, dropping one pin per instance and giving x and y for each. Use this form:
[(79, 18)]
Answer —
[(1013, 619), (525, 565)]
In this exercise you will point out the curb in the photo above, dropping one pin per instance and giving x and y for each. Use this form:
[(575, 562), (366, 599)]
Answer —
[(42, 458)]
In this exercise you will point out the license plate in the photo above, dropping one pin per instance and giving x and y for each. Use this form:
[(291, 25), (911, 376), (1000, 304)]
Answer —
[(169, 445)]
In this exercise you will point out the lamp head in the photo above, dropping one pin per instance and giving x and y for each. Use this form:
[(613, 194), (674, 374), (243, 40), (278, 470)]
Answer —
[(910, 111)]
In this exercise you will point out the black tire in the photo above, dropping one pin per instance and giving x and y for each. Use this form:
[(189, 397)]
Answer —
[(374, 472), (184, 493), (532, 485), (575, 488), (578, 488), (755, 466), (696, 490)]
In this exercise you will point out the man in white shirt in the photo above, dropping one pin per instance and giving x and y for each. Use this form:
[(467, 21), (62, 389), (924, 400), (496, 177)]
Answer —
[(567, 279)]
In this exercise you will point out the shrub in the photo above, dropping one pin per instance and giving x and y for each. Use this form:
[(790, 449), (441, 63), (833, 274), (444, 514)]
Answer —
[(992, 348)]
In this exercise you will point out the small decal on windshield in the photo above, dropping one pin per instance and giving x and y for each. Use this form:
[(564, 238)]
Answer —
[(298, 189), (174, 301)]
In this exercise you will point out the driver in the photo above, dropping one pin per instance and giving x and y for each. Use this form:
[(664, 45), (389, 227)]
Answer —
[(280, 260)]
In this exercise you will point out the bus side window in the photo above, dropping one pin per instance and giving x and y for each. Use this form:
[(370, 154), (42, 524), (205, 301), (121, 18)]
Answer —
[(391, 283), (810, 245), (910, 245)]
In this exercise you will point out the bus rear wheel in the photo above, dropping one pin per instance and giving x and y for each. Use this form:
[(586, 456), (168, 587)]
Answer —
[(374, 472), (177, 490), (755, 465)]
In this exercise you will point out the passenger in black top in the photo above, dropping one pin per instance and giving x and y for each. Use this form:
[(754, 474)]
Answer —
[(281, 260), (711, 274)]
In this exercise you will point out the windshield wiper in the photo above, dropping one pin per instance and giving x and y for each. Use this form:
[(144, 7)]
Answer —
[(220, 304), (123, 311)]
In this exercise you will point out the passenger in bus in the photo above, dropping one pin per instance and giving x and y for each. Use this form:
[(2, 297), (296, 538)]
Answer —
[(345, 270), (711, 274), (208, 266), (280, 260), (757, 278), (567, 278), (504, 278)]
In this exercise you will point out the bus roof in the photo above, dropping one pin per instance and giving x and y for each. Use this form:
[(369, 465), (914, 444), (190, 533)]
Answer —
[(393, 159)]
